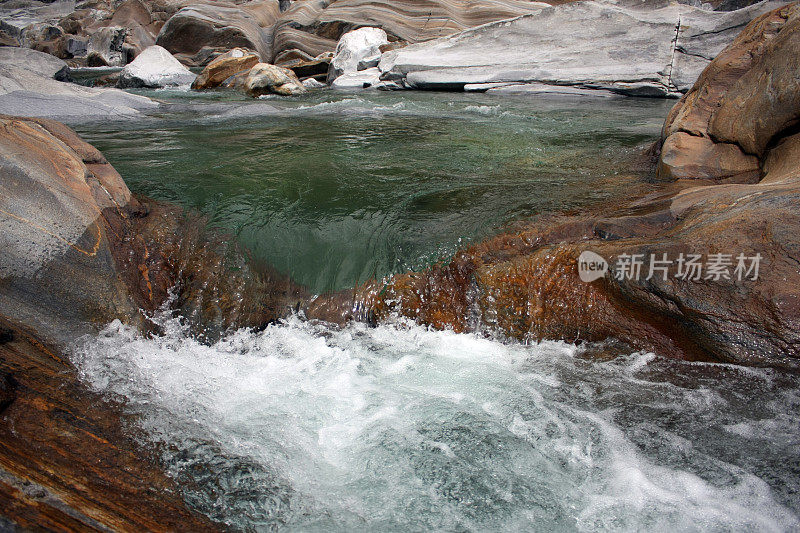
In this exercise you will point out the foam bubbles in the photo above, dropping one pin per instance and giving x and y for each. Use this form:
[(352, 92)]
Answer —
[(319, 428)]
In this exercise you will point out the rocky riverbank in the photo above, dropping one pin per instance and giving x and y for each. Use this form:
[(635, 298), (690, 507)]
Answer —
[(81, 251)]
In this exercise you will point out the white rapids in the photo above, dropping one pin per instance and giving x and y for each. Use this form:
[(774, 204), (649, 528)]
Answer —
[(304, 426)]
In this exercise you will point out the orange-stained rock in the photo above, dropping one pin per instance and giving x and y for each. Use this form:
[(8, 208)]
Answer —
[(78, 251), (225, 66), (746, 97), (765, 101), (686, 156), (66, 461)]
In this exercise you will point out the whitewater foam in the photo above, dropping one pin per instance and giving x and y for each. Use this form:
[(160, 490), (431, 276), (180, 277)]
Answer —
[(313, 427)]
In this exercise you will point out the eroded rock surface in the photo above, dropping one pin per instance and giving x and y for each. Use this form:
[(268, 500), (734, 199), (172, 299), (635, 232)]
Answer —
[(198, 33), (645, 52), (315, 26), (225, 66)]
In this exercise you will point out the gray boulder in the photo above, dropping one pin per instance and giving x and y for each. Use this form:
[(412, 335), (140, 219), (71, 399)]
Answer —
[(353, 48), (592, 45), (198, 33), (154, 68), (106, 47), (37, 62), (27, 88)]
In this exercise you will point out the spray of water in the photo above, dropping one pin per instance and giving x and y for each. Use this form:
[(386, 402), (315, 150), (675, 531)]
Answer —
[(398, 427)]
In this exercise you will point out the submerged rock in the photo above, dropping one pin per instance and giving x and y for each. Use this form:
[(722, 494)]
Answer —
[(641, 52), (154, 68), (353, 48), (225, 66), (741, 306), (265, 79)]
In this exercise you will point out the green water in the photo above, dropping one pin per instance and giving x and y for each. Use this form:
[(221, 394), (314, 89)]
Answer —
[(336, 188)]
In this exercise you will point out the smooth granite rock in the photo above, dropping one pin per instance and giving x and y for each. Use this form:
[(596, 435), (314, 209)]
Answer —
[(225, 66), (25, 93), (264, 78), (583, 44), (363, 79), (315, 26), (37, 62), (153, 68), (742, 103), (198, 33), (353, 48)]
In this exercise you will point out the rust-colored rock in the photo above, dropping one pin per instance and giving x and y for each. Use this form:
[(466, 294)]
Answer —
[(65, 463), (225, 66), (746, 98), (686, 156), (764, 102), (78, 251)]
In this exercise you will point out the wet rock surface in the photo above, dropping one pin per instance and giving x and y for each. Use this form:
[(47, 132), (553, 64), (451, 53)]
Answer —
[(80, 251), (66, 463), (526, 285)]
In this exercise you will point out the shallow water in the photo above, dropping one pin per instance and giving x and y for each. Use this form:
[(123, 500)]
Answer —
[(337, 188), (401, 428), (315, 428)]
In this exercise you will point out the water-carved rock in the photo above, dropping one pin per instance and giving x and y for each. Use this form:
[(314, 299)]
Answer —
[(225, 66), (264, 78), (155, 67)]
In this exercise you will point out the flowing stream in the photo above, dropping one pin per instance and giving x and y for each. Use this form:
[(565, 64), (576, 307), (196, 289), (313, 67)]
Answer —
[(310, 427)]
